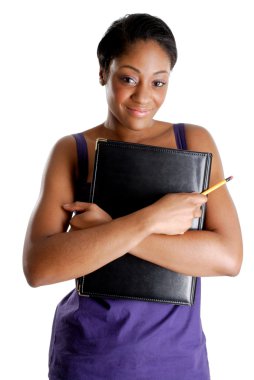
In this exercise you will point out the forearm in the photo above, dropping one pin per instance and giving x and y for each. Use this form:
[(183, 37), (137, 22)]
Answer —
[(65, 256), (195, 253)]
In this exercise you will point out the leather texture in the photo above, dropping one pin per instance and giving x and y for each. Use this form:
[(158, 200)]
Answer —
[(126, 178)]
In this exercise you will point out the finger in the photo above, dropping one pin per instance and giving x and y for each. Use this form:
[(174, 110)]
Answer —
[(200, 198), (204, 198), (197, 213), (76, 206)]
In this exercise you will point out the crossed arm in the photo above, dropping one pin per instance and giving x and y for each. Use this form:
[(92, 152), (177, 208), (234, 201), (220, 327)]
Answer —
[(158, 233)]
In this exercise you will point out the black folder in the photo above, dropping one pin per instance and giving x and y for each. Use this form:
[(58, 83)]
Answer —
[(130, 176)]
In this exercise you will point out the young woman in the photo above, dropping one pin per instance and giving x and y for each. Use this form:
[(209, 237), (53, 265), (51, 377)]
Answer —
[(96, 338)]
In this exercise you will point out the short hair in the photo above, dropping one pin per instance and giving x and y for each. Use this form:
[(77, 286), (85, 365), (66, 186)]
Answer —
[(131, 28)]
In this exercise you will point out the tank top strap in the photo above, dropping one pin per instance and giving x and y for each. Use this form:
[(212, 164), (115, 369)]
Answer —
[(179, 132), (82, 155), (82, 151)]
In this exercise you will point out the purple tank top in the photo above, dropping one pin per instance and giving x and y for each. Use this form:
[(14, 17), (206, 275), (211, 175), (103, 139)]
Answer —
[(109, 339)]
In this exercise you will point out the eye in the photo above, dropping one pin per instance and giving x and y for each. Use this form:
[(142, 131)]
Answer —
[(159, 83), (129, 80)]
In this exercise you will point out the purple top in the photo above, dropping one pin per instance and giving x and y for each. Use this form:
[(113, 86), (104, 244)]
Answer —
[(112, 339)]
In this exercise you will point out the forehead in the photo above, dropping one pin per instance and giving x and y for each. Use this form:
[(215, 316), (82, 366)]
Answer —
[(144, 54)]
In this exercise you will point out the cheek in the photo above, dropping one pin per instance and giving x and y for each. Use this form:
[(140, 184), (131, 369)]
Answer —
[(117, 93), (160, 96)]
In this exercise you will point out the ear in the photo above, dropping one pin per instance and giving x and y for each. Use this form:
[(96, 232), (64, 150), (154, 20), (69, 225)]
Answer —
[(102, 77)]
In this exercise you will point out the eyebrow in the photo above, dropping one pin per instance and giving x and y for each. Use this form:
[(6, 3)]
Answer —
[(138, 71)]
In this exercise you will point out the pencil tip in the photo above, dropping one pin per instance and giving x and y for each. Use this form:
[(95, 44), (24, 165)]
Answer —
[(229, 178)]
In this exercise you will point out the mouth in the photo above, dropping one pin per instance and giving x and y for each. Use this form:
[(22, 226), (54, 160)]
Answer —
[(138, 112)]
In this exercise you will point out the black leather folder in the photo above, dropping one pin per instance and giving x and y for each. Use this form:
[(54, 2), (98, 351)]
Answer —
[(126, 178)]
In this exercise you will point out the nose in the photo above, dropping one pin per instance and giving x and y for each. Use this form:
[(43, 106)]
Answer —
[(141, 94)]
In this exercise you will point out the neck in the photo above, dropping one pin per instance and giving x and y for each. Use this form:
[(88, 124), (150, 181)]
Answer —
[(117, 131)]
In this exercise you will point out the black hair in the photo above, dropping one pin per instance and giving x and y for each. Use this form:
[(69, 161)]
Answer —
[(131, 28)]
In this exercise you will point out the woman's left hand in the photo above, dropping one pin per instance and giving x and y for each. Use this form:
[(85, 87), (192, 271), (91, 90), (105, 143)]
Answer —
[(89, 215)]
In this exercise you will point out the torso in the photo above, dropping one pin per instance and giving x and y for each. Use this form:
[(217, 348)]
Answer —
[(161, 134), (113, 330)]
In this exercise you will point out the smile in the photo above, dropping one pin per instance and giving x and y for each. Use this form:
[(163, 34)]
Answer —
[(138, 112)]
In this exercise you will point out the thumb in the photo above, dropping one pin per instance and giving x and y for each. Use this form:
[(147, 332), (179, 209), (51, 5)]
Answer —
[(200, 198)]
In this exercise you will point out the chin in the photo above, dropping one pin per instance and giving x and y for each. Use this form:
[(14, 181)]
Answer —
[(137, 124)]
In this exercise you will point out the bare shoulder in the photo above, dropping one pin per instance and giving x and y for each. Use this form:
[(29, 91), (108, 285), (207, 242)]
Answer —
[(63, 155), (199, 138), (65, 146), (60, 169)]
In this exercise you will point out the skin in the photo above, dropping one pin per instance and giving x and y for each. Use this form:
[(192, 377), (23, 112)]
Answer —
[(136, 86)]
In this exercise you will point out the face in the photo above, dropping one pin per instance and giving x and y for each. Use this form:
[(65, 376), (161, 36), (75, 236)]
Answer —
[(136, 86)]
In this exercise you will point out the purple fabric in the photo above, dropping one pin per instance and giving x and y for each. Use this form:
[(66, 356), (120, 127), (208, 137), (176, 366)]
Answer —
[(82, 153), (180, 136), (111, 339)]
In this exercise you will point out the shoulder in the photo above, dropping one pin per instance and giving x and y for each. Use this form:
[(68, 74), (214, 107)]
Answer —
[(199, 138), (62, 158), (65, 145), (65, 148)]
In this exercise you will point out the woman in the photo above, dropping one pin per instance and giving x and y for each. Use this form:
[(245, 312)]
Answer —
[(122, 339)]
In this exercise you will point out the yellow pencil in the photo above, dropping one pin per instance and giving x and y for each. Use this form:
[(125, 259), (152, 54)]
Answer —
[(219, 184)]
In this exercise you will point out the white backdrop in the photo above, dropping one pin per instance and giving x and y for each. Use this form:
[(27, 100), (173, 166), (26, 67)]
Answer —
[(49, 88)]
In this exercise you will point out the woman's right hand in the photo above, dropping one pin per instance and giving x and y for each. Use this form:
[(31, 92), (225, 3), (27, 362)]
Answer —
[(173, 213), (89, 215)]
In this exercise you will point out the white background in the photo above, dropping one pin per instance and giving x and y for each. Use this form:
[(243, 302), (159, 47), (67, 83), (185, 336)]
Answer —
[(49, 88)]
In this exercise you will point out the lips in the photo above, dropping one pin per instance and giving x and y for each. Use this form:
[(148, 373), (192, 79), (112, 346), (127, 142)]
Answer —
[(138, 112)]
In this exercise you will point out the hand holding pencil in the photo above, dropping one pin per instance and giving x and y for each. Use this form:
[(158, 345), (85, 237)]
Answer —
[(219, 184)]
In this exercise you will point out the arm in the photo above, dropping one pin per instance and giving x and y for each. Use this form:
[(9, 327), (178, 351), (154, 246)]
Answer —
[(52, 255), (217, 250)]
